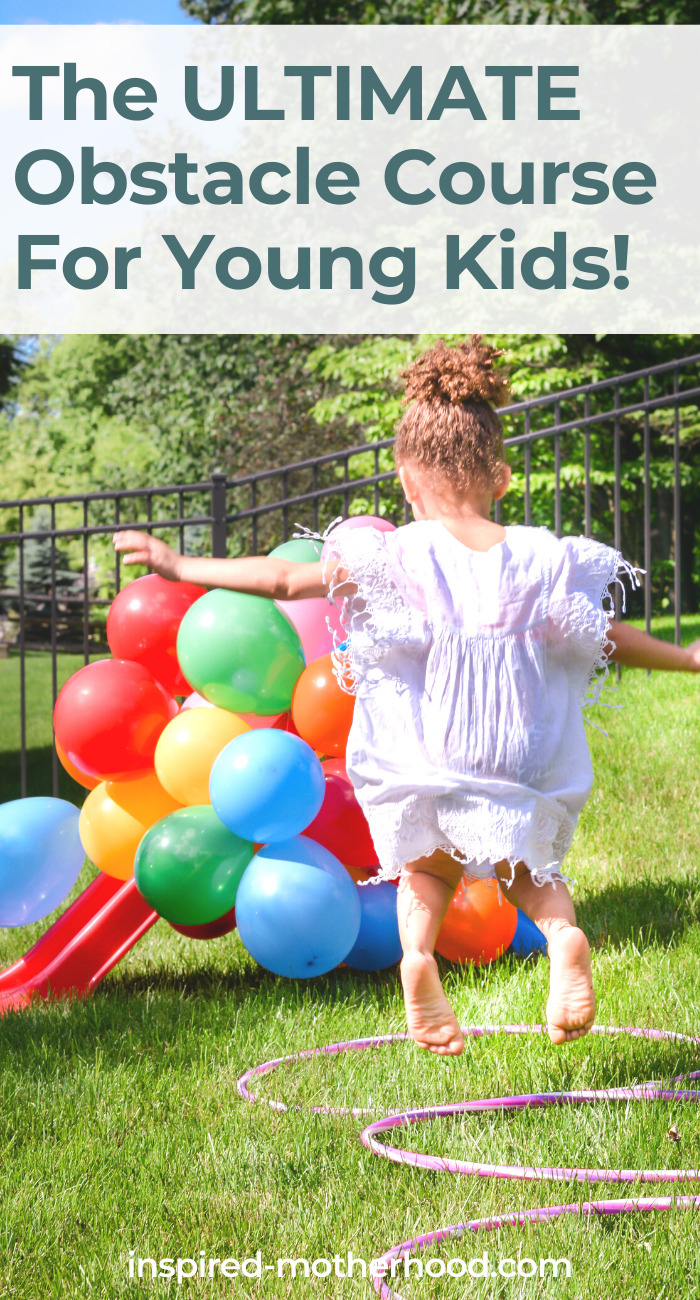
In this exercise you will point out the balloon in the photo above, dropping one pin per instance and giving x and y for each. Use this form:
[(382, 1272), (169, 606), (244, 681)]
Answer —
[(479, 924), (341, 826), (188, 866), (108, 718), (311, 618), (89, 782), (359, 874), (40, 857), (195, 701), (297, 909), (267, 786), (285, 723), (321, 711), (301, 550), (316, 622), (365, 521), (240, 652), (378, 944), (142, 624), (528, 937), (115, 818), (255, 721), (214, 930), (187, 748)]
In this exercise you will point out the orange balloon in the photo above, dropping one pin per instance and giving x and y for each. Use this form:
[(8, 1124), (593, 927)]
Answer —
[(89, 782), (187, 748), (359, 874), (115, 818), (479, 924), (321, 711)]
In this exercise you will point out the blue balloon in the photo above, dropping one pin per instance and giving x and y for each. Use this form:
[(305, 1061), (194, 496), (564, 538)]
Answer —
[(528, 938), (267, 785), (40, 857), (378, 944), (297, 909)]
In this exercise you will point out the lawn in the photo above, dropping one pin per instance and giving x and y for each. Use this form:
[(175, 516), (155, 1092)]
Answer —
[(121, 1129)]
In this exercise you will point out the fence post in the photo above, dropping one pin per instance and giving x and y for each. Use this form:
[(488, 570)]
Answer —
[(218, 514)]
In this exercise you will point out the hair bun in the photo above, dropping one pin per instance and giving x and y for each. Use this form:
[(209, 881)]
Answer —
[(459, 374)]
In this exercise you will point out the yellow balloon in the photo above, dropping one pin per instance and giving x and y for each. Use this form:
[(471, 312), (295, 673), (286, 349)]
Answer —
[(115, 818), (187, 748)]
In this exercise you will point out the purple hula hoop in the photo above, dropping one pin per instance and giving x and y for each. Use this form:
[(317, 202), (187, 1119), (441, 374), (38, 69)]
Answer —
[(442, 1164)]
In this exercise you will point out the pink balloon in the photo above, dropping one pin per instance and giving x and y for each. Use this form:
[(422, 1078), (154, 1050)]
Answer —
[(308, 618), (357, 521), (195, 701), (366, 521), (255, 722)]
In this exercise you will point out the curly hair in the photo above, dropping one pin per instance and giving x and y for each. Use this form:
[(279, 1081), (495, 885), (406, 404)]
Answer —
[(451, 428)]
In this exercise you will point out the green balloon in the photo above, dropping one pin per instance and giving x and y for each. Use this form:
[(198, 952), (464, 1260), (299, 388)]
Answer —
[(240, 652), (302, 550), (189, 865)]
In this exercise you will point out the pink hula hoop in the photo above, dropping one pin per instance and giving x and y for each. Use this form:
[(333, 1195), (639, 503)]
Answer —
[(442, 1164)]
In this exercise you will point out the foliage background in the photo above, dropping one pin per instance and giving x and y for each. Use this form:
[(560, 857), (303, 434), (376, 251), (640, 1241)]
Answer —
[(91, 413), (443, 11)]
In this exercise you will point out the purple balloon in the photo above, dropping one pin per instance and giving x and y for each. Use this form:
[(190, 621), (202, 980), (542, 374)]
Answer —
[(365, 521), (40, 857)]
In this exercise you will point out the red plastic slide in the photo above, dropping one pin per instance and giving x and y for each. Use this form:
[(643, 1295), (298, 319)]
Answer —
[(91, 936)]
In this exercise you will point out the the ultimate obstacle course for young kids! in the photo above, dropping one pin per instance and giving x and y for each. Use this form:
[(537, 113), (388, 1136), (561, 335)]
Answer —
[(231, 809)]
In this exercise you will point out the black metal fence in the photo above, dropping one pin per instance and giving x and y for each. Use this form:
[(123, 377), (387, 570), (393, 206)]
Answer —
[(618, 460)]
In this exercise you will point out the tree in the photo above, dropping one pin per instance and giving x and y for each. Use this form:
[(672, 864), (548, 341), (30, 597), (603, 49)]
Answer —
[(45, 573), (433, 12), (9, 365), (96, 412)]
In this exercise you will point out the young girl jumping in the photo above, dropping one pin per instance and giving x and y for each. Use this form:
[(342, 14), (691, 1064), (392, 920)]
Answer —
[(472, 648)]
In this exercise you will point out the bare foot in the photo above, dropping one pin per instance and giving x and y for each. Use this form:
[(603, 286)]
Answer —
[(432, 1023), (571, 1004)]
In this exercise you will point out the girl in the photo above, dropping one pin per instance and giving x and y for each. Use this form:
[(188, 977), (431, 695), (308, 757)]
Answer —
[(472, 648)]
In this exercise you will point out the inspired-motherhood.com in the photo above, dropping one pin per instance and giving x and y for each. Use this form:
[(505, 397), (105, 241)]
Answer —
[(182, 1268)]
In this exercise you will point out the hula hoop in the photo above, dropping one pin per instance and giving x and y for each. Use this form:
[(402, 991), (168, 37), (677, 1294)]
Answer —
[(331, 1049), (442, 1164)]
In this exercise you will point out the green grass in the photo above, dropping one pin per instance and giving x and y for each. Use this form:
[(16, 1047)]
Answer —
[(121, 1129)]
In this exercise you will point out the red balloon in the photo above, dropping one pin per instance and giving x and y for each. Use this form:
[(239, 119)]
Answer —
[(143, 622), (341, 826), (108, 718), (212, 930), (321, 711), (285, 723), (479, 925)]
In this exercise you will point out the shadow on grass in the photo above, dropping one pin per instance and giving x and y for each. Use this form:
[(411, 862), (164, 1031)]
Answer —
[(39, 776), (164, 1012), (338, 987), (646, 911), (158, 1020)]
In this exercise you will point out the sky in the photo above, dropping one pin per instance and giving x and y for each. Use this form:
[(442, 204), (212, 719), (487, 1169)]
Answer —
[(92, 11)]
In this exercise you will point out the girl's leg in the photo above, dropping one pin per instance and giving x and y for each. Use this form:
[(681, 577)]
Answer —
[(571, 1003), (425, 890)]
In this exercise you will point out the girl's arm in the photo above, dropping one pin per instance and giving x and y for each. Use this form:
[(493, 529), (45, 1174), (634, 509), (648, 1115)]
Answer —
[(636, 649), (259, 575)]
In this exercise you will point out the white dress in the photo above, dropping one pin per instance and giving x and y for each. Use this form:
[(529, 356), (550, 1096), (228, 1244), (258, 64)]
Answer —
[(470, 671)]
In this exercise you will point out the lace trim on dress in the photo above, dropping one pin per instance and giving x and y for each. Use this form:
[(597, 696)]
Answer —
[(550, 874), (418, 827), (603, 597), (377, 598)]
